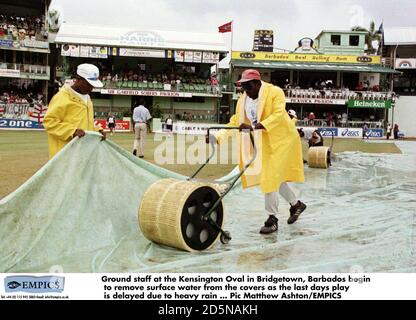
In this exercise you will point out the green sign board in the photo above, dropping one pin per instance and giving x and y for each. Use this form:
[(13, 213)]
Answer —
[(378, 104)]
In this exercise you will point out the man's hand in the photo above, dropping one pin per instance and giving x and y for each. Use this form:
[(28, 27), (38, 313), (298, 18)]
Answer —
[(259, 126), (104, 136), (245, 126), (78, 133)]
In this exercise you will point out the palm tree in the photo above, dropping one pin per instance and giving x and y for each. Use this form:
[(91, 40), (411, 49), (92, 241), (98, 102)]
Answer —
[(372, 35)]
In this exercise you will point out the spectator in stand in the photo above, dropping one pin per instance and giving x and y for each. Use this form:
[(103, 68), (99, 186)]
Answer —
[(396, 131), (329, 84), (337, 120), (344, 119), (178, 84), (214, 83), (311, 119), (359, 87), (330, 119)]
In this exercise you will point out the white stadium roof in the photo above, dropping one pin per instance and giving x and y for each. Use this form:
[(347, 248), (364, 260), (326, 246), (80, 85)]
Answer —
[(400, 35), (140, 38)]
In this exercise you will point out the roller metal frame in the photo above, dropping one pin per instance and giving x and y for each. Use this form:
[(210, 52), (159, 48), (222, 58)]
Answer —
[(225, 235)]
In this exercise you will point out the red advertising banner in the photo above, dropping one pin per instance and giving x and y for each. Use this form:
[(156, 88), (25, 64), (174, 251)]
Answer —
[(121, 125)]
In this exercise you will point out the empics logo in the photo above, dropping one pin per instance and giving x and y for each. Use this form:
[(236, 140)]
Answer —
[(13, 285), (34, 284)]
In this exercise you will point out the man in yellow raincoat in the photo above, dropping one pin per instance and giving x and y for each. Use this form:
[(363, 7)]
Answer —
[(70, 111), (279, 158)]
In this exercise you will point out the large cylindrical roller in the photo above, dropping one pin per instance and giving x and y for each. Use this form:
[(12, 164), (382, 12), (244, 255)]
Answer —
[(172, 213), (319, 157)]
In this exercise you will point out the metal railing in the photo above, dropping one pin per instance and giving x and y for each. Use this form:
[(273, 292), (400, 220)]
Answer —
[(338, 94)]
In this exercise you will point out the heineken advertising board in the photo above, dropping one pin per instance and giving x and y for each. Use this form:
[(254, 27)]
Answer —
[(378, 104)]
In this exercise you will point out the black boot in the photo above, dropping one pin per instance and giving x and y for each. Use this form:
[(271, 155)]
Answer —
[(270, 226), (295, 211)]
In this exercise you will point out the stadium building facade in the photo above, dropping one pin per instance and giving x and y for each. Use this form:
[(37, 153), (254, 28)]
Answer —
[(175, 72), (332, 84), (24, 63), (399, 52)]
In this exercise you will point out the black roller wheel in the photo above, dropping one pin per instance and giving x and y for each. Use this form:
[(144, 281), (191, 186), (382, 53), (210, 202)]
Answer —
[(225, 237), (197, 231)]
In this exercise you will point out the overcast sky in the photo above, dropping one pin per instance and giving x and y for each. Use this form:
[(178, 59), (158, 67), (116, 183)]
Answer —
[(290, 20)]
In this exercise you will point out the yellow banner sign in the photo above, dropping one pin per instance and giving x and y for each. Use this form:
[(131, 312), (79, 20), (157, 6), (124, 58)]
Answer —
[(296, 57)]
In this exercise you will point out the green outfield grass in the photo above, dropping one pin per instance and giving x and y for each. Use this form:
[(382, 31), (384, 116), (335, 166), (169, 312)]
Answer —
[(22, 153)]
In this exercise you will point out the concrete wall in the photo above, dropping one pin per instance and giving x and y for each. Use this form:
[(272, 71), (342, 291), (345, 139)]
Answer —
[(405, 115)]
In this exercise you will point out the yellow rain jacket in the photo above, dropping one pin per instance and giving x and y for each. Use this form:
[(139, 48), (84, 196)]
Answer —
[(279, 157), (66, 113)]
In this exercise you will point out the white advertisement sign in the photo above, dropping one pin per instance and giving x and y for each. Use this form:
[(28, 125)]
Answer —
[(36, 44), (215, 57), (84, 51), (207, 57), (183, 127), (197, 56), (316, 101), (12, 73), (132, 52), (126, 92), (70, 50), (350, 132), (189, 56), (179, 56), (406, 63)]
